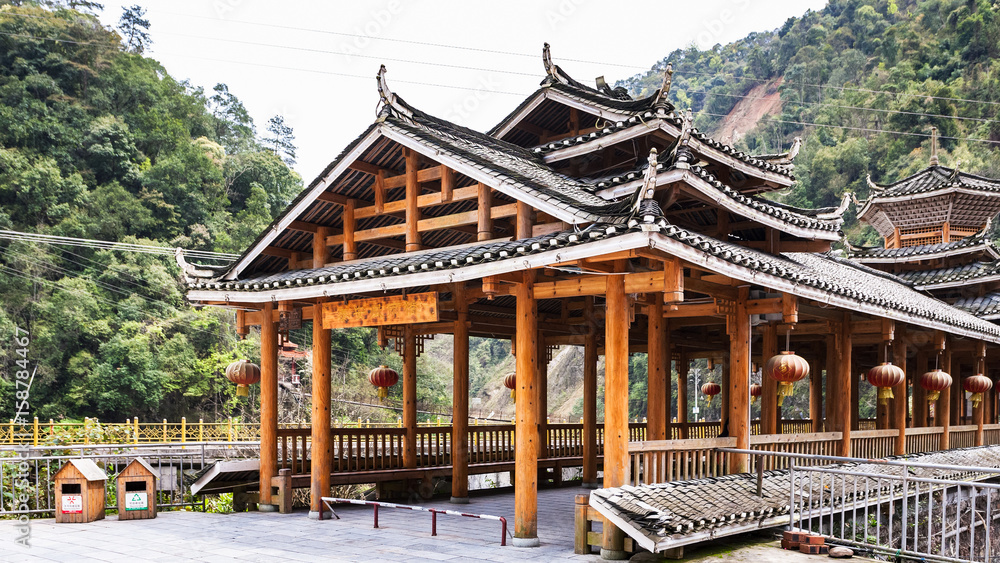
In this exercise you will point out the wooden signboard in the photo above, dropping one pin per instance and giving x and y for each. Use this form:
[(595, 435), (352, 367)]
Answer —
[(380, 311)]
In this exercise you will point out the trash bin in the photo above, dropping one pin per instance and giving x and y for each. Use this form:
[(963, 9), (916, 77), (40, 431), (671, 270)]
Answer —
[(137, 491), (79, 492)]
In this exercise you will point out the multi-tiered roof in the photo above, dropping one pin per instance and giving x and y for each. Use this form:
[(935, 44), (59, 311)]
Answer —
[(936, 225), (600, 171)]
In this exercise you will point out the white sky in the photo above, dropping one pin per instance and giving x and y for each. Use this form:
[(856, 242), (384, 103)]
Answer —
[(296, 58)]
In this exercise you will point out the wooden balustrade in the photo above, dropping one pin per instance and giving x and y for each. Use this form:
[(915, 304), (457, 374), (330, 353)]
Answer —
[(661, 461), (293, 449), (806, 444), (492, 443), (867, 424), (991, 434), (921, 440), (566, 440), (367, 449), (433, 446), (962, 436), (796, 427), (873, 444)]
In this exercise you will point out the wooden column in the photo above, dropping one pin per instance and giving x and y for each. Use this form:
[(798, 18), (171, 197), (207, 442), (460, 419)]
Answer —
[(977, 412), (322, 451), (726, 394), (682, 394), (485, 221), (956, 393), (845, 385), (321, 252), (410, 397), (526, 416), (616, 435), (739, 381), (590, 398), (658, 370), (268, 407), (942, 414), (350, 246), (525, 220), (460, 400), (832, 423), (855, 401), (900, 393), (543, 397), (882, 411), (919, 393), (816, 395), (769, 391), (412, 207), (447, 184)]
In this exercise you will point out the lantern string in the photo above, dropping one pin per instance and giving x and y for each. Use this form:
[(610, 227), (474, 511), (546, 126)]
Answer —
[(937, 358), (788, 339)]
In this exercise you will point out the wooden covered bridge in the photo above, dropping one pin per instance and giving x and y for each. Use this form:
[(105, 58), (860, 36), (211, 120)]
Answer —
[(587, 218)]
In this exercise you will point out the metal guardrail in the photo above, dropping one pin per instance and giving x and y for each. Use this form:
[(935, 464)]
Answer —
[(927, 518), (434, 512), (173, 462)]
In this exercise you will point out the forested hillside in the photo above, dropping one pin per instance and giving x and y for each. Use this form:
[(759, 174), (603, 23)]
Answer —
[(875, 75), (99, 142)]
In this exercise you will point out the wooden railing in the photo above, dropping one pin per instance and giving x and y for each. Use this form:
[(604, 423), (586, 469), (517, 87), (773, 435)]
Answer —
[(806, 444), (663, 461), (367, 449), (873, 444), (494, 443), (921, 440), (991, 434), (867, 424), (433, 446), (962, 437)]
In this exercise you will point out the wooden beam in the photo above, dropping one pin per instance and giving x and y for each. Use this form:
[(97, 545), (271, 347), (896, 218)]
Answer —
[(321, 252), (525, 220), (424, 175), (367, 167), (379, 187), (331, 197)]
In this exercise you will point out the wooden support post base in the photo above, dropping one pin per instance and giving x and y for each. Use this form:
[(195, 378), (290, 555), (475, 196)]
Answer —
[(460, 500), (285, 491), (524, 542), (327, 515), (673, 553), (613, 554), (267, 507)]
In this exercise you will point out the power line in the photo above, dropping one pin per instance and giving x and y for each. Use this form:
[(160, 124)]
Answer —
[(110, 245)]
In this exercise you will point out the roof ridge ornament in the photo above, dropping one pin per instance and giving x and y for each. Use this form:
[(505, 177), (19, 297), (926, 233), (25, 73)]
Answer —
[(191, 271), (389, 98), (668, 78), (681, 155), (837, 213), (872, 185)]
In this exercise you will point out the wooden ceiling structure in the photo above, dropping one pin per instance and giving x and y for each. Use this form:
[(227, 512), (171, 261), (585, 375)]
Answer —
[(584, 218)]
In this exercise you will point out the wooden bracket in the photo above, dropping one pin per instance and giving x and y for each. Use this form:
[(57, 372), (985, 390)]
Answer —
[(888, 330), (673, 280), (789, 308)]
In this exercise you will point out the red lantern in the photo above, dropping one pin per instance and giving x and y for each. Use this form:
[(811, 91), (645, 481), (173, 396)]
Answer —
[(786, 368), (510, 382), (755, 392), (934, 382), (383, 377), (885, 377), (710, 390), (243, 374), (977, 385)]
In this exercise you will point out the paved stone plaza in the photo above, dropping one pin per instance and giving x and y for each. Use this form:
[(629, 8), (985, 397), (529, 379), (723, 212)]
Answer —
[(402, 536)]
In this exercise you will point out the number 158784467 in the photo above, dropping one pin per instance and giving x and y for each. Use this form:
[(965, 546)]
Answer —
[(23, 376)]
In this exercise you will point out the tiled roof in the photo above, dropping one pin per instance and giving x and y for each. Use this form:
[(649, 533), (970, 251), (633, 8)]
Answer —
[(837, 276), (749, 204), (669, 514), (512, 164), (644, 118), (935, 178), (985, 307), (831, 275), (429, 260), (932, 279), (974, 243)]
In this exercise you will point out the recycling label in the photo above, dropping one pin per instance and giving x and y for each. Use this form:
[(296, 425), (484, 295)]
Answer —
[(72, 504), (136, 501)]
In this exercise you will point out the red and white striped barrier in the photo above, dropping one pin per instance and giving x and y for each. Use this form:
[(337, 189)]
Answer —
[(434, 512)]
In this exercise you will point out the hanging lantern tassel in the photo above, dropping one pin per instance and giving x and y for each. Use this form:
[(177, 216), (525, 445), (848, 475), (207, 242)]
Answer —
[(884, 394), (785, 389), (383, 392)]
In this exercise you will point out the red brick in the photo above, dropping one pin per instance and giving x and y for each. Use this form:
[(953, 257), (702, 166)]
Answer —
[(811, 549)]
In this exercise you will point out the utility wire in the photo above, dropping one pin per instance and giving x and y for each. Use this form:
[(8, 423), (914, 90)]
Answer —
[(109, 245)]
